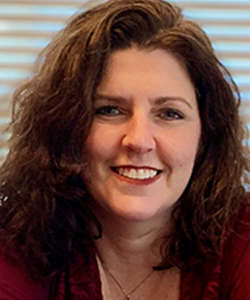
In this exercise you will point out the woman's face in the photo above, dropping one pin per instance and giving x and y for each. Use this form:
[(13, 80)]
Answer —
[(143, 142)]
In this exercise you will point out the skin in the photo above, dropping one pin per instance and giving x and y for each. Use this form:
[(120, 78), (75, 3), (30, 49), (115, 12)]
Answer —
[(146, 118)]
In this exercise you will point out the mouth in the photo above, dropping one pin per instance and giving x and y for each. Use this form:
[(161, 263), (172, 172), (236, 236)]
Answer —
[(137, 173)]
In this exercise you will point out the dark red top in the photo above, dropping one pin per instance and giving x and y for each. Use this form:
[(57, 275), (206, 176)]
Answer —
[(225, 278)]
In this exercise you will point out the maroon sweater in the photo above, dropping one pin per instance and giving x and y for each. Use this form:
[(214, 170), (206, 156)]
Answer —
[(225, 278)]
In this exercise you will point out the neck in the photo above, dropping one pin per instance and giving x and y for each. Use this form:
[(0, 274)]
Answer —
[(127, 252), (131, 243)]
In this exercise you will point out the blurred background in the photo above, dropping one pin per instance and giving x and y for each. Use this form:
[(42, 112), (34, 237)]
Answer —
[(27, 26)]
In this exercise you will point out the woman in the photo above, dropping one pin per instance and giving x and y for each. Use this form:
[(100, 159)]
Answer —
[(126, 172)]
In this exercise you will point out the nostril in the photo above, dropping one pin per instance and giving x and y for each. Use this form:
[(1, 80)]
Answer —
[(138, 149), (139, 144)]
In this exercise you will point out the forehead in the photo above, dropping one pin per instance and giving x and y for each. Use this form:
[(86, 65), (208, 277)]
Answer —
[(146, 72), (149, 60)]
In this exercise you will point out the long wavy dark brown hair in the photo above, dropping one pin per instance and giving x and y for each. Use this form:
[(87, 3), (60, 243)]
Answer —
[(45, 216)]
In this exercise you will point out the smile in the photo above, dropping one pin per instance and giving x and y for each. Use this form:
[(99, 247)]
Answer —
[(136, 173)]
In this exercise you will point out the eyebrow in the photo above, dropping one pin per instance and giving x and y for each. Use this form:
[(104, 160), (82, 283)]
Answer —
[(157, 101), (162, 100), (109, 98)]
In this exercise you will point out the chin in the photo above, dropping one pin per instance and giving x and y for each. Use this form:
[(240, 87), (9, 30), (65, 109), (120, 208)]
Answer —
[(136, 215)]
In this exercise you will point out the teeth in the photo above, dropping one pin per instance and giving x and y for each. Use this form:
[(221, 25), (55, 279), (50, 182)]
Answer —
[(136, 173)]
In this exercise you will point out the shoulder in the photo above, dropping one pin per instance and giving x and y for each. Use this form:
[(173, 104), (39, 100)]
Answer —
[(81, 279), (17, 284), (236, 258), (238, 240)]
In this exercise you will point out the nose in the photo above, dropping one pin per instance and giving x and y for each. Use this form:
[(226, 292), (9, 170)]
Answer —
[(139, 137)]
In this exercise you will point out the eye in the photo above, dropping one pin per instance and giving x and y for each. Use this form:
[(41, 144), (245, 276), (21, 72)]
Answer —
[(108, 110), (171, 114)]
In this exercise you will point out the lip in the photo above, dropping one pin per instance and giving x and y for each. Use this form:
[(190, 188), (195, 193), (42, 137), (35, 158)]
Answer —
[(133, 181)]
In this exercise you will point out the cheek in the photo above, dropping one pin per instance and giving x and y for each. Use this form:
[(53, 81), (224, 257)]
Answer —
[(100, 151), (94, 145), (180, 152), (102, 141)]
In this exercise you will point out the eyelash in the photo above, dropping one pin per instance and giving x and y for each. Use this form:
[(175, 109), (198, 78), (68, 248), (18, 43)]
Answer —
[(171, 114), (165, 114), (107, 110)]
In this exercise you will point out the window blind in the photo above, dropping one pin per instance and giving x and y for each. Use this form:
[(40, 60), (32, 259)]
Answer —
[(27, 26)]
